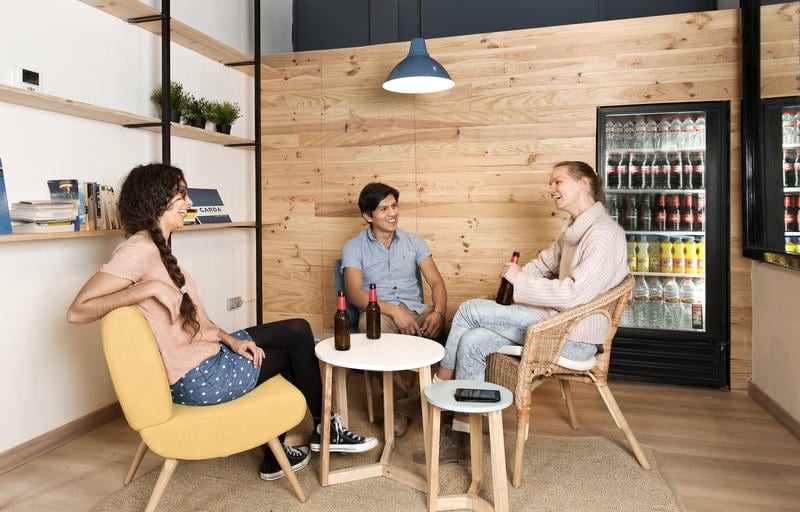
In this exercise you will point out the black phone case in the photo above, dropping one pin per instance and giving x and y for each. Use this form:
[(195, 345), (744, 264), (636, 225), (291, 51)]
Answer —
[(476, 395)]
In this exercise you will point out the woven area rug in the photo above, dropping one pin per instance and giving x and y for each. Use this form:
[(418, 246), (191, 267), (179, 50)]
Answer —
[(560, 474)]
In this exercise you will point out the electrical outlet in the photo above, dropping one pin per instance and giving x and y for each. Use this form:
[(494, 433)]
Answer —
[(233, 303)]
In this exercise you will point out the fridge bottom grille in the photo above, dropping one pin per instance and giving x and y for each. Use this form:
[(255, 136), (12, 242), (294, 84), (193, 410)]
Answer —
[(685, 363)]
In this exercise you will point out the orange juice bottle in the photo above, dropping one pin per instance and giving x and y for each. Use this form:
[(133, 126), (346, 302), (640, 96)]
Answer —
[(666, 256), (690, 249), (678, 256), (655, 254), (631, 242), (642, 256), (701, 255)]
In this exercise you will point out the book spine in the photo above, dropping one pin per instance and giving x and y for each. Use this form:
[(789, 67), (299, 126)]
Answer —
[(5, 217)]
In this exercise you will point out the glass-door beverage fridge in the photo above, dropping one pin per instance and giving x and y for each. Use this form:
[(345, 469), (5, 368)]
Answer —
[(781, 161), (665, 169)]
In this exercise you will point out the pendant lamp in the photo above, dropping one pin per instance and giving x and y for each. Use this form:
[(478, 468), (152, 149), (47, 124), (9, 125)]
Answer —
[(418, 73)]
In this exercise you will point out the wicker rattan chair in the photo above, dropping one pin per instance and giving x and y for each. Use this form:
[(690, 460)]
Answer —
[(539, 361)]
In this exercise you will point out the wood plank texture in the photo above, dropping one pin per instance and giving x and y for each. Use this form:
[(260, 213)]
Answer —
[(471, 163)]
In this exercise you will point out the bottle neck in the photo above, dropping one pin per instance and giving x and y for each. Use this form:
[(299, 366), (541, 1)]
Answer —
[(373, 295), (341, 304)]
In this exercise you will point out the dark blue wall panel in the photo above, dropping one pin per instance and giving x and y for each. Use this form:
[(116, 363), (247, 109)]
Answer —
[(322, 24)]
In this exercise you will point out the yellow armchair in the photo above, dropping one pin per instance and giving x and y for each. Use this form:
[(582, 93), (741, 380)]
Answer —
[(188, 432)]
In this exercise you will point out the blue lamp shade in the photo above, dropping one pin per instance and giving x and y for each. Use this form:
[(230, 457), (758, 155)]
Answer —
[(418, 73)]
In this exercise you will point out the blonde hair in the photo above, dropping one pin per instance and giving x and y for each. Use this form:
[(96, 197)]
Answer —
[(578, 170)]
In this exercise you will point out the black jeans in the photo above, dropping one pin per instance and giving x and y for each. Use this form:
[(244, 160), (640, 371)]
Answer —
[(289, 351)]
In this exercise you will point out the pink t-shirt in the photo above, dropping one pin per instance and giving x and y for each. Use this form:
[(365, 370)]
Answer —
[(137, 260)]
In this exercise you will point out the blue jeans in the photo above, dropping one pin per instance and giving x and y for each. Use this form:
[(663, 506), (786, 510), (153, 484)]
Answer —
[(481, 327)]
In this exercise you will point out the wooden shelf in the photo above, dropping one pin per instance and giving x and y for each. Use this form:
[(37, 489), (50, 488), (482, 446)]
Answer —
[(181, 34), (27, 237), (107, 115), (40, 101)]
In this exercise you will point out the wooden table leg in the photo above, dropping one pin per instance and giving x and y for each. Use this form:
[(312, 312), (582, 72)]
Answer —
[(424, 382), (499, 475), (325, 435), (388, 416), (340, 395), (432, 455), (476, 451)]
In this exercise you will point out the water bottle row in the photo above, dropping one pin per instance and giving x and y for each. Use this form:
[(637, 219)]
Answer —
[(671, 131), (790, 125), (667, 254), (663, 303)]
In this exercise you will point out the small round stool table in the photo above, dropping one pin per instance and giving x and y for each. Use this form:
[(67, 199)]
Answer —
[(440, 397)]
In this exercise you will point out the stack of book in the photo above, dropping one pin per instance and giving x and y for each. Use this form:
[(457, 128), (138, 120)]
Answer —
[(42, 216), (96, 203)]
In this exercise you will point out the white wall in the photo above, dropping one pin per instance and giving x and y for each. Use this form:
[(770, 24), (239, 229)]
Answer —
[(776, 324), (53, 373)]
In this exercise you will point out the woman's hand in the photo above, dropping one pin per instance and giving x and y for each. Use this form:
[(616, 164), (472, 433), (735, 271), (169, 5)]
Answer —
[(169, 297), (510, 271), (249, 350)]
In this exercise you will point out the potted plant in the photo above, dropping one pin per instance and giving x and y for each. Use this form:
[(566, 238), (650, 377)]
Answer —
[(195, 111), (223, 114), (176, 97)]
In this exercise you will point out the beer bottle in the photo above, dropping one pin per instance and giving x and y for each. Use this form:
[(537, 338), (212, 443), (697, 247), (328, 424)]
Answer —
[(505, 294), (373, 313), (341, 324)]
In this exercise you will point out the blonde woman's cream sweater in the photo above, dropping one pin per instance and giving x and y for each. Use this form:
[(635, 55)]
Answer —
[(588, 258)]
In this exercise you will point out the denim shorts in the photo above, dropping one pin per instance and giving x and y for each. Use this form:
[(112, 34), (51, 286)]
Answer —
[(222, 377)]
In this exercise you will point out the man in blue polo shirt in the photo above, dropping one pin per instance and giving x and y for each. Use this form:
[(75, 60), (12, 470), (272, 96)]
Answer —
[(388, 256)]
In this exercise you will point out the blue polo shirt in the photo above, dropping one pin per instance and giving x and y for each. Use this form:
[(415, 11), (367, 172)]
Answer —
[(393, 270)]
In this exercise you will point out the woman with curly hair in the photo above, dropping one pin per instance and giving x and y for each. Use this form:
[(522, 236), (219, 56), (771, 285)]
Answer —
[(205, 365)]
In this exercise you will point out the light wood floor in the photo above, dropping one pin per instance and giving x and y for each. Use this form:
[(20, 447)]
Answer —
[(720, 450)]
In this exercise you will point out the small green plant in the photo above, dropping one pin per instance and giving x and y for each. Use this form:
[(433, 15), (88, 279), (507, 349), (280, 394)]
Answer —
[(225, 113), (177, 95), (195, 109)]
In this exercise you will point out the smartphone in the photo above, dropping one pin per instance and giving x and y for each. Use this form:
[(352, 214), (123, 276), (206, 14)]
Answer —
[(476, 395)]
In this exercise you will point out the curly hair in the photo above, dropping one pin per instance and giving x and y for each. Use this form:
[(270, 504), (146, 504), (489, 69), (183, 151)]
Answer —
[(146, 194)]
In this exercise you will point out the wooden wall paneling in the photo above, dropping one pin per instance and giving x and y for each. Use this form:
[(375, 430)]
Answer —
[(472, 163)]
